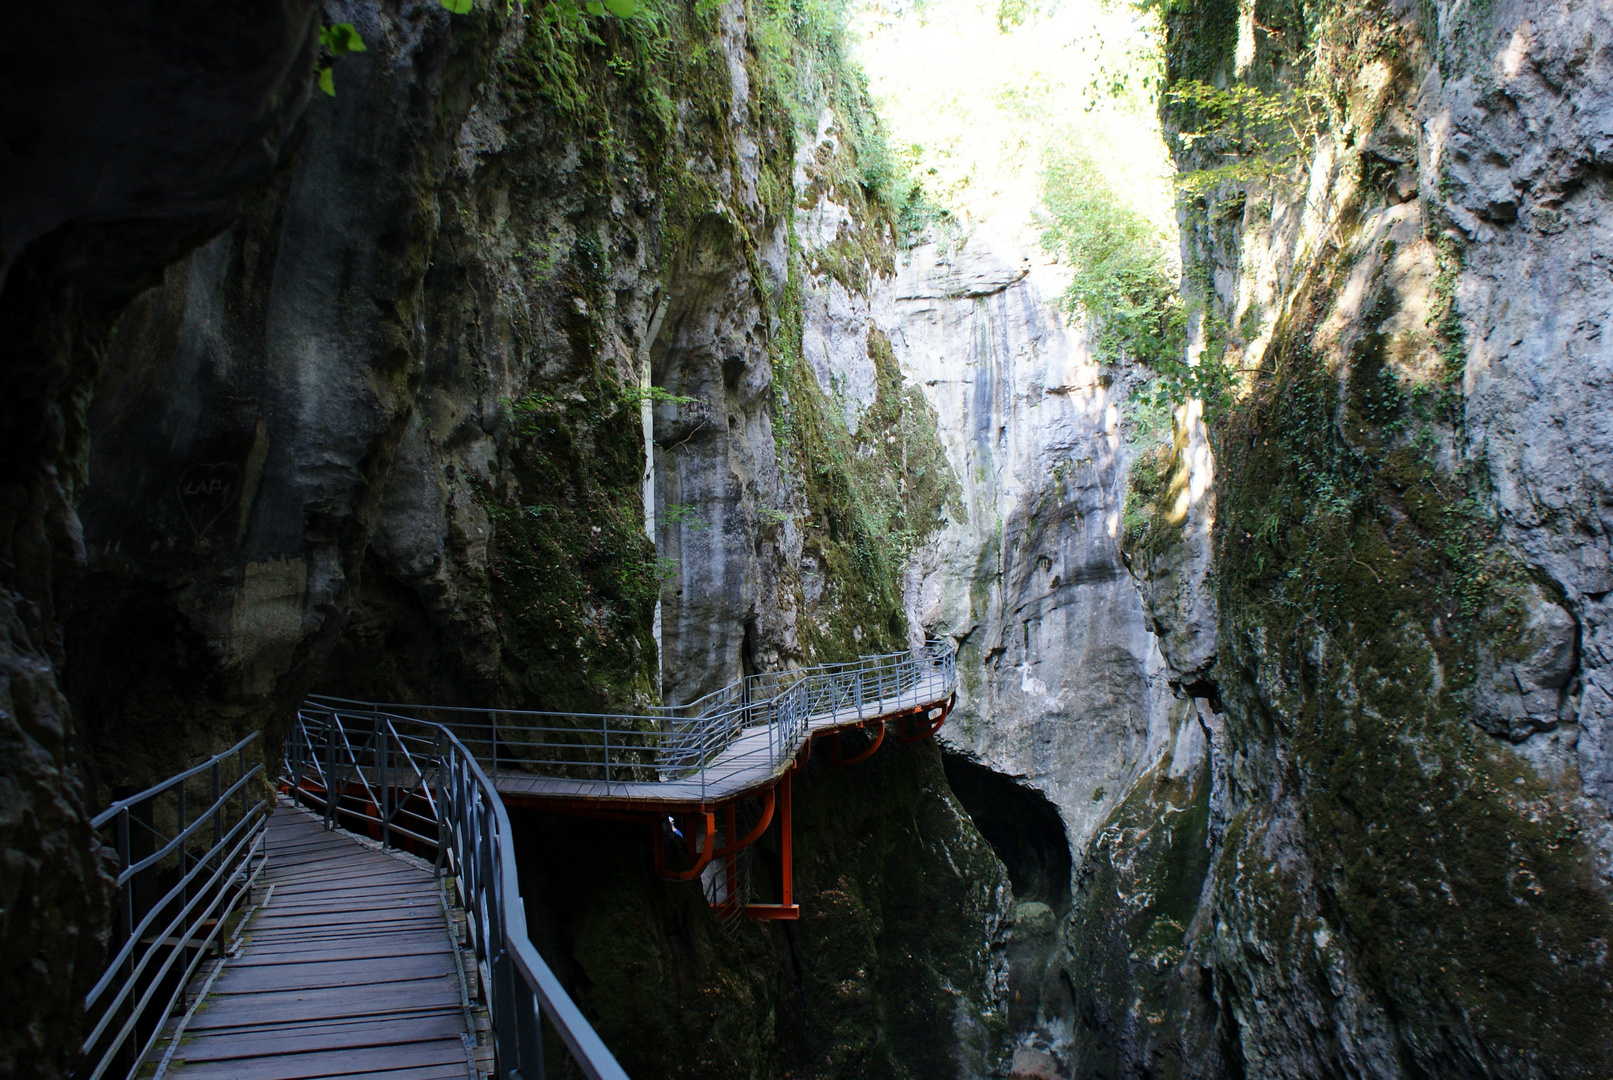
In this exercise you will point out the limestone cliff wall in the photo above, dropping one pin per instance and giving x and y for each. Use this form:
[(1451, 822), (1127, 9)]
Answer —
[(1405, 808), (385, 436), (117, 161)]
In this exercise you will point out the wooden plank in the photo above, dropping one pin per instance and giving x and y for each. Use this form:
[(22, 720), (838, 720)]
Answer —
[(333, 936), (384, 1032), (289, 953), (419, 889), (358, 860), (365, 1061), (333, 973), (354, 915), (398, 999), (292, 899), (351, 875), (317, 1028), (349, 971), (308, 905), (384, 922)]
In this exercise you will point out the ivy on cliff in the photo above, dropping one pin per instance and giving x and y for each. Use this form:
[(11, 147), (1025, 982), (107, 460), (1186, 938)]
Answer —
[(1359, 573)]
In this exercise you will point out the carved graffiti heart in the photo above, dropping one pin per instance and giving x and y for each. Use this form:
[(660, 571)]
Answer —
[(206, 492)]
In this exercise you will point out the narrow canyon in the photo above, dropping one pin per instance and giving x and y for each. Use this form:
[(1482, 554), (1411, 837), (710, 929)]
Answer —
[(589, 359)]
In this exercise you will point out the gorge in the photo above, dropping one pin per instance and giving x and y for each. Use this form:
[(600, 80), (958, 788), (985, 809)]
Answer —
[(1281, 745)]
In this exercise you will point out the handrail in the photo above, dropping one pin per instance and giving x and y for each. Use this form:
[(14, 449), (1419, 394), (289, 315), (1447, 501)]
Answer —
[(402, 761), (202, 891), (376, 767), (755, 727), (483, 862)]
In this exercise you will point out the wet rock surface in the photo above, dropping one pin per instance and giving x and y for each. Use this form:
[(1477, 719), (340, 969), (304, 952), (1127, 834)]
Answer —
[(113, 168), (1405, 825), (1307, 778), (385, 436)]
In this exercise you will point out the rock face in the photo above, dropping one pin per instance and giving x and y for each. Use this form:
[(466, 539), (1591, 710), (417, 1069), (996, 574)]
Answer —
[(1407, 810), (250, 410), (1288, 760), (386, 437), (1054, 653), (1064, 688), (114, 167), (1515, 131)]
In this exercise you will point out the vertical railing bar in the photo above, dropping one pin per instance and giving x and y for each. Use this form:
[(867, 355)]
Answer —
[(331, 720), (184, 846)]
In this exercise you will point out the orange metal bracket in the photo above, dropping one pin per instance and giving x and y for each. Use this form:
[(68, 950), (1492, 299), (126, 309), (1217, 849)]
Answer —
[(789, 909), (770, 799), (834, 754), (934, 726), (708, 849)]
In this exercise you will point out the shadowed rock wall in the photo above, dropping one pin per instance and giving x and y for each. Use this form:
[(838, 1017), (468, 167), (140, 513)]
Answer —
[(384, 437), (118, 159), (1406, 812)]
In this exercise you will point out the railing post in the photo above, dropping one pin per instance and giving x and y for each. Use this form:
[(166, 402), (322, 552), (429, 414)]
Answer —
[(604, 732), (444, 811), (218, 809), (184, 849), (127, 903), (383, 750), (331, 724)]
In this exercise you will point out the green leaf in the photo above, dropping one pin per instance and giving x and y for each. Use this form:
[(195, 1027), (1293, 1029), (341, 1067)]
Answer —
[(458, 7), (327, 81), (595, 7), (622, 9), (340, 39)]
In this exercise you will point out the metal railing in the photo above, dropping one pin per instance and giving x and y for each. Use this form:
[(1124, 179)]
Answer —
[(188, 850), (408, 780), (753, 727), (419, 776)]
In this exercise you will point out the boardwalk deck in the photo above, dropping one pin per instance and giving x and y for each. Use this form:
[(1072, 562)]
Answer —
[(348, 971), (747, 764)]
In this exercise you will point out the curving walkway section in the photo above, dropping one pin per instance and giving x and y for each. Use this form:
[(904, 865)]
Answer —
[(728, 756), (731, 744), (350, 965)]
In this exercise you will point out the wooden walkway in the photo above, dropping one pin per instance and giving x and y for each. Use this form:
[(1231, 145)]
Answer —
[(348, 970), (746, 765)]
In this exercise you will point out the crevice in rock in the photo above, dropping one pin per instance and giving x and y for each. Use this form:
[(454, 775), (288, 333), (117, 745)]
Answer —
[(1022, 827)]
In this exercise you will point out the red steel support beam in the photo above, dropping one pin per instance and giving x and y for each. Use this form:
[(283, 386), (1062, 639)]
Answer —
[(834, 753), (789, 909), (704, 857), (932, 725), (769, 799), (730, 866)]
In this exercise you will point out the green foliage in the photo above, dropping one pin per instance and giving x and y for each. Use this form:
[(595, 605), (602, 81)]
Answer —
[(1121, 277), (638, 394), (684, 515), (574, 579), (575, 10), (340, 39), (572, 45), (872, 495), (1252, 136), (458, 7), (336, 40), (809, 67), (1122, 280)]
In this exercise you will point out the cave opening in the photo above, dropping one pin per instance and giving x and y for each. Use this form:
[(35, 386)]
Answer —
[(1022, 826)]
